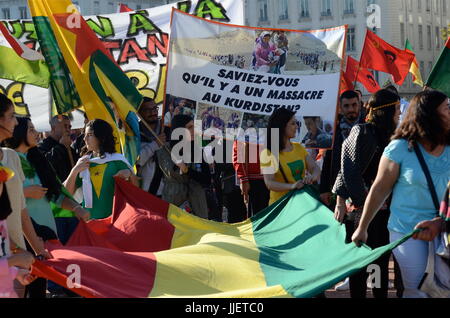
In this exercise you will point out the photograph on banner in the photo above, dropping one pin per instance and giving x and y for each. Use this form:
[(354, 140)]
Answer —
[(220, 118), (138, 41), (256, 71), (316, 136)]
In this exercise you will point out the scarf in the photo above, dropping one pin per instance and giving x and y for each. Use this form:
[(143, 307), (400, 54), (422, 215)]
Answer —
[(86, 175), (28, 170)]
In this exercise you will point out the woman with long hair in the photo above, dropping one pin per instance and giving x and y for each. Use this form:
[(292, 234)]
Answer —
[(18, 222), (426, 127), (285, 165), (94, 172), (41, 186), (361, 153)]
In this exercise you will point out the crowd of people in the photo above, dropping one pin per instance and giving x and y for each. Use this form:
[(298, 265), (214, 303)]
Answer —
[(371, 179)]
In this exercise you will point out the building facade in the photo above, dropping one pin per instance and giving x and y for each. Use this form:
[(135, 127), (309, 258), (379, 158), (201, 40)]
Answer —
[(424, 22), (18, 9)]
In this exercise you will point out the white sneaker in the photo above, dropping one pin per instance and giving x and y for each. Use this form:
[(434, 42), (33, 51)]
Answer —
[(345, 285)]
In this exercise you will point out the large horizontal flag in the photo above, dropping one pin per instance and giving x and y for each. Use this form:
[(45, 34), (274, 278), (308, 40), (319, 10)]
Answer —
[(150, 248), (105, 91), (20, 63), (379, 55), (414, 70), (440, 75), (357, 73)]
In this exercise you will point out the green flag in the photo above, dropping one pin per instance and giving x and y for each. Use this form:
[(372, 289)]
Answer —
[(440, 75)]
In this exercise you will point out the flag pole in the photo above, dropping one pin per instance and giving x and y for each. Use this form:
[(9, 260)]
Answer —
[(359, 61), (152, 132)]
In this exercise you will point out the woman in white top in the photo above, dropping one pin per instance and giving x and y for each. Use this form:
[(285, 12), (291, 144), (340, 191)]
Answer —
[(19, 222)]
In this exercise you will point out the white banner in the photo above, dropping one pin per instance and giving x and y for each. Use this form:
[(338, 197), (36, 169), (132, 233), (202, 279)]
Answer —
[(138, 41), (231, 76)]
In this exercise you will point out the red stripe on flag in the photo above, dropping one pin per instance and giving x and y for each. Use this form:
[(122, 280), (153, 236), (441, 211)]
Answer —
[(139, 220), (95, 268), (11, 40)]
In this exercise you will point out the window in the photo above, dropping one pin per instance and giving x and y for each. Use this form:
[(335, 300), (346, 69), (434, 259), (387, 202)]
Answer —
[(411, 36), (429, 38), (263, 10), (111, 7), (369, 2), (428, 2), (402, 33), (437, 38), (419, 5), (23, 12), (96, 7), (410, 5), (283, 9), (422, 67), (6, 13), (436, 6), (304, 8), (351, 38), (430, 67), (420, 37), (349, 7), (326, 8), (444, 7), (138, 7)]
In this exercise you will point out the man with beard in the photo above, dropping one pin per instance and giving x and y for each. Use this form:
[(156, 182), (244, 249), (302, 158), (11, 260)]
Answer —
[(350, 108), (148, 168)]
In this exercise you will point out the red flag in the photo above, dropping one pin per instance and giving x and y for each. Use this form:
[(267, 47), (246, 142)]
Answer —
[(346, 83), (124, 8), (379, 55), (364, 76)]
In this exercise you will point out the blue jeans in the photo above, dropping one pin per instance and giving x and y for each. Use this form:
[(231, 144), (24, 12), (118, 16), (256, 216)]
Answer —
[(65, 228)]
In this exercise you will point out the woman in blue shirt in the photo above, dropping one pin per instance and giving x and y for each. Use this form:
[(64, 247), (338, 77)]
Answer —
[(427, 123)]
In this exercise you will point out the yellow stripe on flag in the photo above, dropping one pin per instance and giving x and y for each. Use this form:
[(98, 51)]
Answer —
[(211, 247), (415, 71)]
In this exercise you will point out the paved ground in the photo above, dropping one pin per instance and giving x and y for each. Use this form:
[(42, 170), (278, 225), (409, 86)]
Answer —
[(331, 293)]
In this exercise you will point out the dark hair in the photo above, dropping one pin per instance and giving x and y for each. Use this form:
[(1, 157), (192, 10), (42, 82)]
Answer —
[(5, 204), (278, 119), (349, 95), (5, 104), (146, 99), (179, 121), (104, 133), (43, 168), (391, 88), (422, 122), (383, 118)]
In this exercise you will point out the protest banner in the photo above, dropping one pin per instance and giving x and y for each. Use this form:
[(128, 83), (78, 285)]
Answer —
[(231, 76), (138, 40)]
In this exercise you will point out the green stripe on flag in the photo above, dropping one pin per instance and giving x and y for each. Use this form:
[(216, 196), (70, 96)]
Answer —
[(62, 86), (309, 246), (440, 75)]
